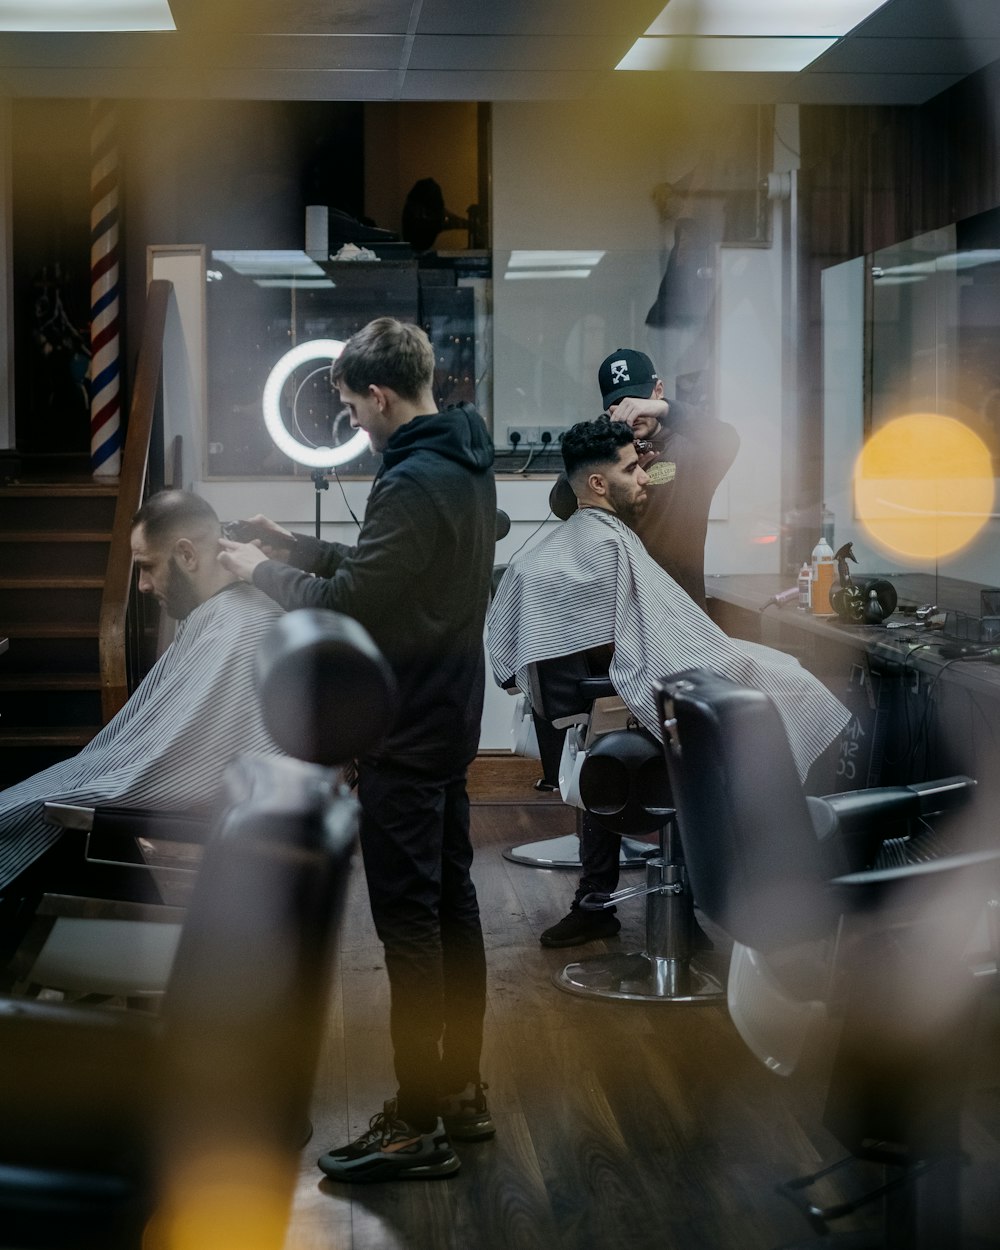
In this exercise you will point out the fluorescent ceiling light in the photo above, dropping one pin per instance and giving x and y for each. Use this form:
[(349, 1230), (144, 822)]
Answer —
[(298, 284), (740, 36), (971, 259), (554, 259), (948, 262), (762, 17), (84, 15), (733, 55), (277, 264), (552, 264), (547, 273)]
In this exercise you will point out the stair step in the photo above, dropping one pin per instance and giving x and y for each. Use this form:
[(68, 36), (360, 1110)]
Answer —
[(41, 603), (55, 536), (48, 706), (56, 489), (47, 556), (47, 736), (49, 629), (50, 681), (48, 466), (34, 654), (51, 583), (84, 508)]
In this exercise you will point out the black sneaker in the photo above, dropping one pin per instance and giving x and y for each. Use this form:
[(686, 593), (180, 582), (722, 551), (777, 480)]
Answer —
[(579, 927), (392, 1150), (466, 1116)]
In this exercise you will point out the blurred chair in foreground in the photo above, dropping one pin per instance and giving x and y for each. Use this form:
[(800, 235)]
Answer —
[(183, 1130), (883, 953)]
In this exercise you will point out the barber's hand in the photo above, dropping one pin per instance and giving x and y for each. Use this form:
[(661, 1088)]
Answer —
[(241, 558), (630, 410), (275, 541)]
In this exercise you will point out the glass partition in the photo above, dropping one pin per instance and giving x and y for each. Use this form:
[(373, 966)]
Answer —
[(910, 358), (260, 304)]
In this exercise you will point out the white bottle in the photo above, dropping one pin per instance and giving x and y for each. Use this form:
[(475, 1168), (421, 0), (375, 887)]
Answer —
[(805, 587)]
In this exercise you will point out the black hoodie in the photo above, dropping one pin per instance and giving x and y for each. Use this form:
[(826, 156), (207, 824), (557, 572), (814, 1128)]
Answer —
[(418, 579)]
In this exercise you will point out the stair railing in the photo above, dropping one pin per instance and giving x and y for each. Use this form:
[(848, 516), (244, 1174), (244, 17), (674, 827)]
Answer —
[(135, 459)]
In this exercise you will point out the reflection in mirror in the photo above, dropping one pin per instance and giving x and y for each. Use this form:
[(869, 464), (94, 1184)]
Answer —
[(910, 333)]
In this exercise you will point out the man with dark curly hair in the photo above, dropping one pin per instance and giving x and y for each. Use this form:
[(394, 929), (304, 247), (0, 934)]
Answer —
[(593, 585)]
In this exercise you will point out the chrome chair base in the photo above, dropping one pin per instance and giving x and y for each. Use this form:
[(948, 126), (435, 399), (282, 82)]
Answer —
[(564, 852), (668, 970), (639, 977)]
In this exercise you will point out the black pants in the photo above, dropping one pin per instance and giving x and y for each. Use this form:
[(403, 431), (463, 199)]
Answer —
[(418, 856), (599, 858)]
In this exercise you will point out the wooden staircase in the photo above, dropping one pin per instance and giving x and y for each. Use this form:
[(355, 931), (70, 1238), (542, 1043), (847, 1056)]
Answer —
[(77, 644), (55, 534)]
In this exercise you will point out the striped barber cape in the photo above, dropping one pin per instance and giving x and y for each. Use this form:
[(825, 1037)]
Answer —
[(592, 583), (193, 713)]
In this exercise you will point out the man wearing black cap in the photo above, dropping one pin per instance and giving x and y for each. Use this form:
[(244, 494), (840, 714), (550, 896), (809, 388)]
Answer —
[(688, 455), (685, 454)]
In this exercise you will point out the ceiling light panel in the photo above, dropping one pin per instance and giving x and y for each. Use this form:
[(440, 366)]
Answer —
[(535, 274), (553, 259), (85, 15), (270, 264), (730, 55), (763, 17)]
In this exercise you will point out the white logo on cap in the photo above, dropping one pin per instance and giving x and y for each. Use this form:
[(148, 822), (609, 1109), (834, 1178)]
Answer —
[(619, 372)]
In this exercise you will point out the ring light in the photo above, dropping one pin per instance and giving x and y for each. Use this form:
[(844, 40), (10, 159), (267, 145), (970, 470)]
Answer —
[(314, 457)]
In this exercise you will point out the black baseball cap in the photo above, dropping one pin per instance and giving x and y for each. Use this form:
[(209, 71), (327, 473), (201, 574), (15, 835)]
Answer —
[(626, 372)]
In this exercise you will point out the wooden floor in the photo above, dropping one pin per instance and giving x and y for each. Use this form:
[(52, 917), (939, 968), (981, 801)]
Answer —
[(618, 1124)]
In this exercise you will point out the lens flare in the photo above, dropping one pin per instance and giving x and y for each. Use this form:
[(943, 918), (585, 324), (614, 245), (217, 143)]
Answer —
[(923, 485)]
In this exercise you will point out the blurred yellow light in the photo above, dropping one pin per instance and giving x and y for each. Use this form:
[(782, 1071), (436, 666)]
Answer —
[(923, 485), (224, 1201)]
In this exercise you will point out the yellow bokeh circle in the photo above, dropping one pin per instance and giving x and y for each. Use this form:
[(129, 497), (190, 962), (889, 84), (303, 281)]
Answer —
[(923, 485)]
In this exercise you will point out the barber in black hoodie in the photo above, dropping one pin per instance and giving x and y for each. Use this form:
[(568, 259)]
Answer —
[(418, 580)]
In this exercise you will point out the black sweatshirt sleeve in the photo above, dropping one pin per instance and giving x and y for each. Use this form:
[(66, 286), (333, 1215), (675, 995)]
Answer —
[(371, 580)]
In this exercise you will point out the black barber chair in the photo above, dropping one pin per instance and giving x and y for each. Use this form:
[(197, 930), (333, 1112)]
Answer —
[(107, 922), (818, 938), (119, 1129), (571, 696), (614, 771), (107, 926)]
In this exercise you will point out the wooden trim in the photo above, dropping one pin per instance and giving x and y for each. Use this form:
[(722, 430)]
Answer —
[(501, 778), (135, 458)]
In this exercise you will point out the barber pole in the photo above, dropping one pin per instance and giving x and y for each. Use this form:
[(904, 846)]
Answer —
[(105, 401)]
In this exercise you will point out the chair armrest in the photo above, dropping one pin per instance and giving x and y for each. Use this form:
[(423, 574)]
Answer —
[(861, 820), (593, 688), (913, 884), (130, 822), (131, 853), (855, 808), (68, 816)]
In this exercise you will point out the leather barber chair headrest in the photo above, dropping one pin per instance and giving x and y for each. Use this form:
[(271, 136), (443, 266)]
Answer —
[(624, 783), (327, 694)]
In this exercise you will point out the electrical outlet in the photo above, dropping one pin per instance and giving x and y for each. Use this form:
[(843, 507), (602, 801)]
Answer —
[(527, 435), (554, 432)]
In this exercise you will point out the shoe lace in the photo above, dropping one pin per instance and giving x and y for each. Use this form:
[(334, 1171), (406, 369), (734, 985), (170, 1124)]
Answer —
[(384, 1125)]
